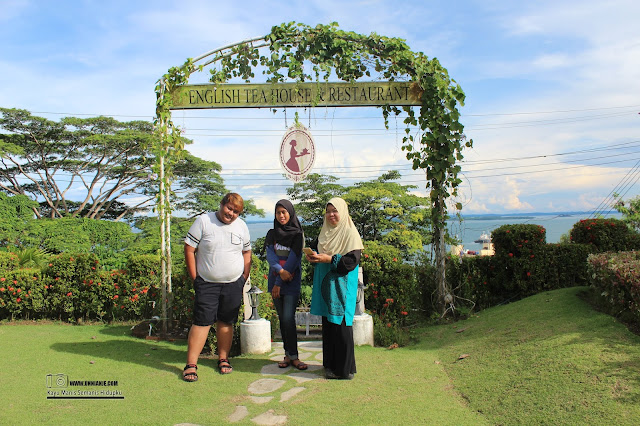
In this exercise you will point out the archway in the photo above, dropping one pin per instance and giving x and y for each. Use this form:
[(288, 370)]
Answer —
[(300, 54)]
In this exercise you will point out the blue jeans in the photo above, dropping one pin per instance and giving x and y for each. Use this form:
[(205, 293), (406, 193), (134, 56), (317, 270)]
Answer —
[(286, 308)]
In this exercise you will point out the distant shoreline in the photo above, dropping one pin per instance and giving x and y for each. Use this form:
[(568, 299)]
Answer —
[(489, 216)]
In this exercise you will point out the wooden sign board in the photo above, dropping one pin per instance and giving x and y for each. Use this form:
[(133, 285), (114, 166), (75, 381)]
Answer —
[(200, 96)]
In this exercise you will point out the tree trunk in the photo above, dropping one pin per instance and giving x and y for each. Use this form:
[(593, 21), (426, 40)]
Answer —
[(163, 239), (440, 255)]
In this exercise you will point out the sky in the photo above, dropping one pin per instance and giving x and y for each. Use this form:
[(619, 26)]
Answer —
[(552, 89)]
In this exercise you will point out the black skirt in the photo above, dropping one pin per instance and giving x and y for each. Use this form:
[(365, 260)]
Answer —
[(337, 348)]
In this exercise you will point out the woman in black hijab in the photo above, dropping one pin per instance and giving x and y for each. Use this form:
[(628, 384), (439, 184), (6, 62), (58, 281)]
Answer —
[(283, 245)]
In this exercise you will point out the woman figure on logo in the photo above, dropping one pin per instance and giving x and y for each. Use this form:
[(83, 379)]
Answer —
[(292, 163)]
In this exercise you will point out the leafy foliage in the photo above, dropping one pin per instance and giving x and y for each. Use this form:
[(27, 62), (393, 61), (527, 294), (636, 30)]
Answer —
[(391, 293), (312, 195), (32, 257), (520, 248), (15, 212), (630, 210)]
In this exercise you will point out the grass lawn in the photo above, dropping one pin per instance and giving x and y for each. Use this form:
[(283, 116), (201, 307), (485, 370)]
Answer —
[(548, 359)]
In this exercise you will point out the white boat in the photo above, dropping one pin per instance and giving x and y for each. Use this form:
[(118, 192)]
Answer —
[(484, 238), (487, 245)]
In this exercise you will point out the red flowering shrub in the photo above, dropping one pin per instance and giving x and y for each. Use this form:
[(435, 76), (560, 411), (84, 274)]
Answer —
[(604, 235), (74, 286), (20, 296), (521, 267), (391, 294), (519, 258), (8, 261)]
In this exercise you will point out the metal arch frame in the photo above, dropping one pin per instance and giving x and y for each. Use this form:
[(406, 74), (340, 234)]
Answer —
[(166, 244), (229, 46)]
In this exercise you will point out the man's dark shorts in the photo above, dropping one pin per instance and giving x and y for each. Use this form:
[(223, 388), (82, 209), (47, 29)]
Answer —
[(217, 301)]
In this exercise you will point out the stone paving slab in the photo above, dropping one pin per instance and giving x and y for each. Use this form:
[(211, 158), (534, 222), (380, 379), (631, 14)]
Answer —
[(262, 386), (310, 352), (303, 377), (277, 357), (240, 413), (274, 370), (290, 393), (310, 345), (304, 355), (269, 418), (278, 352)]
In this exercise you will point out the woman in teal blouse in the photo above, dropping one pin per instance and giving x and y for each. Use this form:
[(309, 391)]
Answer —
[(335, 284)]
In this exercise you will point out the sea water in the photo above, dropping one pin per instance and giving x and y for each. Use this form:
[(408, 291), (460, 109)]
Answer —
[(471, 227)]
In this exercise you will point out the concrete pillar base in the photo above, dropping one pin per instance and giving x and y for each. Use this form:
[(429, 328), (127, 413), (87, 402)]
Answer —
[(363, 330), (255, 336)]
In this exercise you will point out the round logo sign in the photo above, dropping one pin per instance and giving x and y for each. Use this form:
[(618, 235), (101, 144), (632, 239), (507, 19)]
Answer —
[(297, 152)]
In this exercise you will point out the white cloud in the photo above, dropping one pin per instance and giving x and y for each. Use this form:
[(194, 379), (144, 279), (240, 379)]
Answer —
[(104, 58)]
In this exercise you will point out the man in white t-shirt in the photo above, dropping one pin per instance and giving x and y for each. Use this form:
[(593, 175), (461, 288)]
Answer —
[(217, 252)]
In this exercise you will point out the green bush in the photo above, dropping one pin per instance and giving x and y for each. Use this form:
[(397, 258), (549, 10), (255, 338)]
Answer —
[(75, 287), (474, 282), (386, 334), (566, 265), (391, 293), (616, 278), (426, 286), (519, 258), (523, 265), (67, 282), (143, 281)]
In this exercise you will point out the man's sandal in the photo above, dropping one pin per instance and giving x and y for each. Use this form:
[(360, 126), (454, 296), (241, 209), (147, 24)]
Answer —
[(190, 377), (224, 369)]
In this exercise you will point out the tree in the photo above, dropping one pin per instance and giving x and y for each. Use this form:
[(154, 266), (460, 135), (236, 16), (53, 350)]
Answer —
[(630, 211), (112, 161), (45, 159), (382, 210), (312, 195), (199, 188), (388, 212)]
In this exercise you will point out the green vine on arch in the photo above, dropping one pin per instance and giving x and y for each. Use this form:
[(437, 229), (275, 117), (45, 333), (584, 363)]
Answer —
[(301, 53)]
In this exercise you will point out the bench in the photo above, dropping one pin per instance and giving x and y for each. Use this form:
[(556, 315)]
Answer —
[(303, 316)]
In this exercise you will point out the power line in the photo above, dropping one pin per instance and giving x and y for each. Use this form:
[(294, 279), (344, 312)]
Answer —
[(633, 173), (408, 166), (383, 131), (494, 114)]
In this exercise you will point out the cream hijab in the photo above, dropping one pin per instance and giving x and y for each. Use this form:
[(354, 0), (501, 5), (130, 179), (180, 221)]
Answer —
[(342, 238)]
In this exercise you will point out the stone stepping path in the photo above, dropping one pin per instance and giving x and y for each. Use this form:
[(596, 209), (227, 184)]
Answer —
[(267, 388)]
